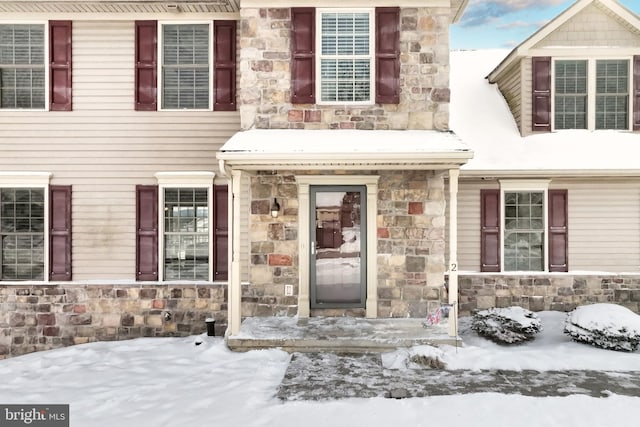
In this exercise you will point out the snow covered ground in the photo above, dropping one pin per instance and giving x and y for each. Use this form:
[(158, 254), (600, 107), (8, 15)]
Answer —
[(173, 382)]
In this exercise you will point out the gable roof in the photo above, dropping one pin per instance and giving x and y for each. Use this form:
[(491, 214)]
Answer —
[(618, 10), (480, 117)]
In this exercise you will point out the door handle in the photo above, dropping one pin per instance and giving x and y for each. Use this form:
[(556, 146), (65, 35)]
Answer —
[(313, 248)]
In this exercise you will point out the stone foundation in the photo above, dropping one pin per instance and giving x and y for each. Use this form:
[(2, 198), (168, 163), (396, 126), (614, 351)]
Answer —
[(558, 292), (43, 317)]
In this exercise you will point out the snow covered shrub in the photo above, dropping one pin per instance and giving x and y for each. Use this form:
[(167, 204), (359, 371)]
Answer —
[(511, 325), (418, 357), (607, 326)]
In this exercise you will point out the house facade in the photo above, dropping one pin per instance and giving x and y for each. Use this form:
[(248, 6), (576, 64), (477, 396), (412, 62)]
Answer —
[(123, 215), (113, 210), (344, 116), (549, 206)]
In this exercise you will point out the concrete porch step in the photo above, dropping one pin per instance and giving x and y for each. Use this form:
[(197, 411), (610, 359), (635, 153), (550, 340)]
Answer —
[(337, 334)]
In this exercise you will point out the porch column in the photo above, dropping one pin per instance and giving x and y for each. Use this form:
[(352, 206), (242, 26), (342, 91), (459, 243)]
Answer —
[(453, 251), (235, 285), (304, 238)]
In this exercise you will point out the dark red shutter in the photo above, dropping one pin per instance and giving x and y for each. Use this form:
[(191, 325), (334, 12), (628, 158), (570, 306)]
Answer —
[(387, 55), (303, 41), (146, 66), (221, 232), (224, 65), (636, 92), (60, 76), (541, 94), (60, 232), (558, 230), (146, 232), (490, 230)]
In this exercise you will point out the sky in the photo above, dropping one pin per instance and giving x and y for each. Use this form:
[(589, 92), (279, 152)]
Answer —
[(161, 382), (506, 23)]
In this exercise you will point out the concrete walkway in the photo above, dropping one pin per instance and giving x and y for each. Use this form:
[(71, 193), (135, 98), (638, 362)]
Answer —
[(346, 334), (331, 376)]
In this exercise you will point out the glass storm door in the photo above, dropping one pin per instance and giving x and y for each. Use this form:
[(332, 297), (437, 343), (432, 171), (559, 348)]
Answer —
[(338, 246)]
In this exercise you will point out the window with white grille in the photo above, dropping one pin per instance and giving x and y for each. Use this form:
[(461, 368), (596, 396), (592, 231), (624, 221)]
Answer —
[(22, 66), (571, 95), (591, 94), (345, 63), (186, 234), (612, 94), (185, 66), (22, 233)]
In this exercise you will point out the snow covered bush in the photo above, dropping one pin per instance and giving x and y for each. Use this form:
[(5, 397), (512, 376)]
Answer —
[(608, 326), (511, 325)]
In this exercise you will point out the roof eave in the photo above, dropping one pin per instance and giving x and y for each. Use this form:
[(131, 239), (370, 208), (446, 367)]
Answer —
[(351, 161)]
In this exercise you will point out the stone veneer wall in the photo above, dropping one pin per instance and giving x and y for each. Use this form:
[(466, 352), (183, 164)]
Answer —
[(265, 77), (43, 317), (411, 261), (559, 292)]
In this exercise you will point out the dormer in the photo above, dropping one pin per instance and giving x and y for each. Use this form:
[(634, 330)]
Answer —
[(580, 71)]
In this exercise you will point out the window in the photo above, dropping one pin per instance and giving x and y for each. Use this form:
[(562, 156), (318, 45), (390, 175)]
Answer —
[(524, 227), (186, 234), (22, 231), (22, 66), (524, 231), (345, 60), (185, 66), (571, 95), (592, 94), (347, 56), (187, 240), (612, 94)]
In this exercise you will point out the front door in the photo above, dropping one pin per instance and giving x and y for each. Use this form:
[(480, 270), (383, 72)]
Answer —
[(338, 255)]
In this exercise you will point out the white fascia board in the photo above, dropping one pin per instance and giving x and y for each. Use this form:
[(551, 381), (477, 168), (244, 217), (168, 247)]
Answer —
[(523, 48), (341, 3), (534, 173)]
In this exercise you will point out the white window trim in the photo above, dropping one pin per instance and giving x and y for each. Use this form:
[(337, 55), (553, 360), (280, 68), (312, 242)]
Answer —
[(161, 62), (183, 180), (507, 185), (591, 89), (371, 184), (372, 55), (46, 64), (31, 180)]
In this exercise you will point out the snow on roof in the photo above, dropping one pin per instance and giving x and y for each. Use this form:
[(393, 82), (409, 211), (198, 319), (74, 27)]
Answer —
[(287, 148), (343, 141), (480, 116)]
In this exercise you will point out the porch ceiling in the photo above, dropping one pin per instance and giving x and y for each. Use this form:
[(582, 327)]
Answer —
[(343, 149)]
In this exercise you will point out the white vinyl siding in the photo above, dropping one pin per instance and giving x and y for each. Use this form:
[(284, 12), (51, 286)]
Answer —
[(22, 66), (103, 148), (603, 224), (345, 56)]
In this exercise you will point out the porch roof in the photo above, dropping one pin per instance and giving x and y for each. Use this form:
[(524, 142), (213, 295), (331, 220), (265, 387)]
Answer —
[(262, 149)]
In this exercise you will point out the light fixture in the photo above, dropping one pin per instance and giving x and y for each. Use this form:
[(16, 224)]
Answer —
[(172, 7), (275, 208)]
